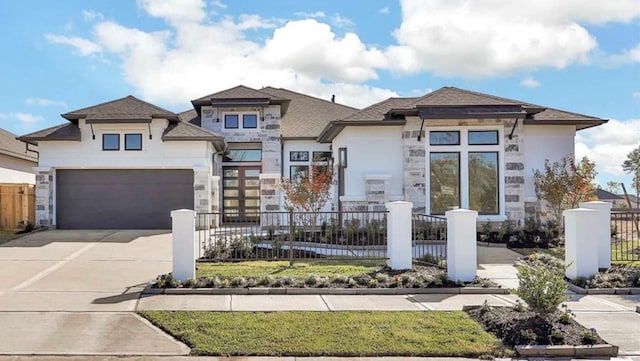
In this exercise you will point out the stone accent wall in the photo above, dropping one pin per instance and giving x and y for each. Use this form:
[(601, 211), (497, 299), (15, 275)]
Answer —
[(269, 195), (376, 192), (413, 158), (354, 206), (202, 190), (44, 197), (514, 172), (215, 194)]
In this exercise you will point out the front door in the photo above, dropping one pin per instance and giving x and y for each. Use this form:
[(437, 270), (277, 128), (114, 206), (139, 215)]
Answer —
[(241, 194)]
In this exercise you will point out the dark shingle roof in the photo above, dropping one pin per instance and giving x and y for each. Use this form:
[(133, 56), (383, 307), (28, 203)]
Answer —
[(188, 128), (306, 116), (190, 116), (238, 92), (10, 146), (451, 96), (127, 108), (377, 111), (67, 131), (602, 194)]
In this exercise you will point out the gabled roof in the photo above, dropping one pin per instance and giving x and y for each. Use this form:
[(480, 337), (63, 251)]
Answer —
[(379, 110), (602, 194), (127, 109), (452, 96), (307, 115), (67, 131), (13, 147), (240, 96), (237, 92)]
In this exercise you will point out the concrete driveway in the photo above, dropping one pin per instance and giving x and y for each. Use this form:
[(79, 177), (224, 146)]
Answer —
[(72, 292)]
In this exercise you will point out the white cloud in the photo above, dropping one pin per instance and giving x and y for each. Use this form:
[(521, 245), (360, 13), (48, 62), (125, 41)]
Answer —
[(218, 3), (609, 144), (84, 46), (175, 12), (384, 10), (626, 56), (342, 22), (42, 102), (90, 15), (636, 95), (530, 82), (314, 15), (25, 118), (441, 36)]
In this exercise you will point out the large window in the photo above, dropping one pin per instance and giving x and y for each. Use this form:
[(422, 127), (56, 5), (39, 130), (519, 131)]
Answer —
[(464, 170), (243, 155), (241, 120)]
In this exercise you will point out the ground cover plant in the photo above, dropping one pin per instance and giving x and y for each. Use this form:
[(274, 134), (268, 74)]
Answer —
[(450, 334), (315, 275)]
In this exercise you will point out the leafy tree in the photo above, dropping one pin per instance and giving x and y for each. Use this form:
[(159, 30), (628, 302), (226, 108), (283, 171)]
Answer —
[(632, 166), (308, 193), (613, 187), (564, 184)]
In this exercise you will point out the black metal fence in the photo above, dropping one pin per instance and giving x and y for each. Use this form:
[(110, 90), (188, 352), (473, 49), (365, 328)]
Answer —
[(429, 238), (292, 236), (625, 228)]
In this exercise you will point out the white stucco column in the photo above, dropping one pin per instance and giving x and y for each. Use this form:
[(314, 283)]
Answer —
[(580, 242), (462, 261), (183, 228), (399, 235), (603, 231)]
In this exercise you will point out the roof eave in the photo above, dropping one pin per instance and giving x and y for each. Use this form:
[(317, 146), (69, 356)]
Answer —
[(335, 127), (580, 124)]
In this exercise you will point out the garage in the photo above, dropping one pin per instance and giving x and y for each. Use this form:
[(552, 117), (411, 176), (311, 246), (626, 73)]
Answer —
[(121, 198)]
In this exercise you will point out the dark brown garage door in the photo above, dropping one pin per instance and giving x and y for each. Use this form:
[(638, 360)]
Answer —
[(121, 198)]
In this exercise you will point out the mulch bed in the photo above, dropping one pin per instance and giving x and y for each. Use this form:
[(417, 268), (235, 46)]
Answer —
[(524, 327)]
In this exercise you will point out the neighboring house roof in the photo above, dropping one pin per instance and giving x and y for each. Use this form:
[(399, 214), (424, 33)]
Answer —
[(307, 115), (125, 109), (68, 131), (455, 103), (13, 147), (186, 131), (602, 194)]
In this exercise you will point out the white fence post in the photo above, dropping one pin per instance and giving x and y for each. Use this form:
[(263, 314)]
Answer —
[(183, 230), (580, 242), (603, 231), (462, 261), (399, 235)]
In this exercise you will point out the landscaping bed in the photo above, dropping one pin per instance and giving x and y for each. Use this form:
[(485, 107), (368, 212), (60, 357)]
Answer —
[(316, 275), (450, 334)]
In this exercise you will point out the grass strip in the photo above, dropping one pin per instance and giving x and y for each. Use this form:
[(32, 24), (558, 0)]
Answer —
[(451, 334), (281, 268)]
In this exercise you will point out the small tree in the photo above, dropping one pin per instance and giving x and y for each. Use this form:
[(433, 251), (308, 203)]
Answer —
[(308, 193), (564, 184), (542, 286), (632, 166)]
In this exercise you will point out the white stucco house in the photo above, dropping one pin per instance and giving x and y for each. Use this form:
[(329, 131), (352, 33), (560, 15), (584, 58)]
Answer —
[(16, 160), (127, 163)]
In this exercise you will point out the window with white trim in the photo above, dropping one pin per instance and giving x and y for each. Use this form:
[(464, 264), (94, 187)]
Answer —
[(241, 120), (464, 167)]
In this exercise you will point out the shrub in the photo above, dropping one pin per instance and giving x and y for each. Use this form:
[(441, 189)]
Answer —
[(541, 286)]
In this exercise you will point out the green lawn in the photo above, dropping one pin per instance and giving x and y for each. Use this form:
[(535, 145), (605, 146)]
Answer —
[(328, 333), (282, 269)]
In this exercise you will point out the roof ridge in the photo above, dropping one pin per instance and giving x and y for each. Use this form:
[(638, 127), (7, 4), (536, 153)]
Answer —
[(310, 96), (131, 97), (573, 113), (209, 96), (486, 95)]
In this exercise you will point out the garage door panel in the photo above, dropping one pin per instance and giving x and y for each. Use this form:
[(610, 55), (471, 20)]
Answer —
[(121, 199)]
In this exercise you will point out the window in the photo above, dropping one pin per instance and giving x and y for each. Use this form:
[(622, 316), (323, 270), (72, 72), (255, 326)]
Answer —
[(321, 156), (444, 138), (464, 170), (243, 155), (249, 121), (299, 156), (231, 121), (133, 142), (297, 172), (110, 141)]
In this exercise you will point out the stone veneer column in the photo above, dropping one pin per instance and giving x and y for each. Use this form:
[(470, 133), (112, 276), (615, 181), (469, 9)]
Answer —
[(413, 159), (514, 172), (376, 191), (44, 196), (202, 189)]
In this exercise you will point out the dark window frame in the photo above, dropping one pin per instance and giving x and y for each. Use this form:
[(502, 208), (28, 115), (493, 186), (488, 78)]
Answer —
[(244, 124), (298, 166), (126, 143), (321, 153), (497, 142), (459, 173), (104, 135), (444, 131), (237, 116), (298, 153), (498, 194)]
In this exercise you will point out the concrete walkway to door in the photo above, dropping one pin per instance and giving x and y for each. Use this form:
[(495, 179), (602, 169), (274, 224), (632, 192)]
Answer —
[(72, 292)]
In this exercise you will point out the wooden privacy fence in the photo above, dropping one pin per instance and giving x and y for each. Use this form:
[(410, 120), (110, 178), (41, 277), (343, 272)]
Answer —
[(17, 204)]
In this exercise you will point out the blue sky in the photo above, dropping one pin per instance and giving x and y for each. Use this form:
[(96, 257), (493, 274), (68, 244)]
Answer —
[(576, 55)]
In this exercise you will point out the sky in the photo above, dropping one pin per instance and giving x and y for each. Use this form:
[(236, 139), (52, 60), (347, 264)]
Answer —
[(576, 55)]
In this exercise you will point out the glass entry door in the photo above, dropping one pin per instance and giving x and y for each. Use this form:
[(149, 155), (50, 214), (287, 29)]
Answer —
[(241, 194)]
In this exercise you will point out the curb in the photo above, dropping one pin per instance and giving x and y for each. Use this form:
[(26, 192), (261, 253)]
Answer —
[(148, 290), (604, 291), (568, 351)]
